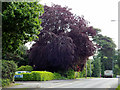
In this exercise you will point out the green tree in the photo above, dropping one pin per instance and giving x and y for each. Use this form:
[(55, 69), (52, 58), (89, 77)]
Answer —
[(22, 51), (118, 58), (20, 24), (20, 56), (88, 68), (83, 73), (97, 67), (106, 49), (106, 44), (116, 70), (116, 63)]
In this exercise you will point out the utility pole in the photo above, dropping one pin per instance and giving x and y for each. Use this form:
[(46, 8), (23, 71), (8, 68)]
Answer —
[(112, 65), (86, 69), (90, 68)]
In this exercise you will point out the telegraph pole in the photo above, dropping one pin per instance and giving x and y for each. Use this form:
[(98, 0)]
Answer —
[(90, 67), (86, 69)]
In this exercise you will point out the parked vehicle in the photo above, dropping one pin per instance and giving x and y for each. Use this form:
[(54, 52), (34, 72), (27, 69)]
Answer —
[(117, 76), (108, 73), (19, 72)]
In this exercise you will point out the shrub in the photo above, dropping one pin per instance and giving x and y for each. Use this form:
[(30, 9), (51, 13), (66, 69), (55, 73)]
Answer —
[(83, 73), (25, 68), (42, 75), (8, 69), (58, 76), (70, 74), (26, 77), (77, 74), (5, 82), (36, 76)]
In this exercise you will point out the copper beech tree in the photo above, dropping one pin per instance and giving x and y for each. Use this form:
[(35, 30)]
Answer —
[(64, 42)]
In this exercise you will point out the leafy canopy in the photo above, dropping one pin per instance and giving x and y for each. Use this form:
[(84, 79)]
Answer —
[(20, 23), (64, 41), (105, 54)]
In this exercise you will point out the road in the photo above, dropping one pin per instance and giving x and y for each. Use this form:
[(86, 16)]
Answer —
[(77, 83)]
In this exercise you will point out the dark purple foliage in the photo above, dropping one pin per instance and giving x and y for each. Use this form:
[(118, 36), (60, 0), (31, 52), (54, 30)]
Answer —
[(64, 41)]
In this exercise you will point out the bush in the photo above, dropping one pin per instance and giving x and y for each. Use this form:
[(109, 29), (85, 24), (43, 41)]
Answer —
[(26, 77), (5, 82), (42, 75), (8, 70), (25, 68), (77, 74), (36, 76), (70, 74), (83, 73), (57, 76)]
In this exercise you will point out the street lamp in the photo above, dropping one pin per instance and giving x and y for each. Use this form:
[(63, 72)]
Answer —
[(113, 63), (114, 20)]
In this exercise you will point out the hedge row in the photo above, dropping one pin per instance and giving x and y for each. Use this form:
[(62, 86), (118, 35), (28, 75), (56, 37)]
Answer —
[(25, 68), (36, 76), (58, 76), (44, 76)]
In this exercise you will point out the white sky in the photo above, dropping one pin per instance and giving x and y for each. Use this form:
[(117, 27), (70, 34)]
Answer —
[(98, 12)]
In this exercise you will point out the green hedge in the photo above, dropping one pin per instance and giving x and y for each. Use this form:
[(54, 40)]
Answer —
[(25, 68), (42, 75), (26, 77), (36, 76), (57, 76)]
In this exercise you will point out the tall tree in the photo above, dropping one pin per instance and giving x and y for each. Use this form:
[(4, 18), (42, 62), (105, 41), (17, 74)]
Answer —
[(97, 66), (106, 49), (20, 56), (64, 41), (118, 59), (20, 23)]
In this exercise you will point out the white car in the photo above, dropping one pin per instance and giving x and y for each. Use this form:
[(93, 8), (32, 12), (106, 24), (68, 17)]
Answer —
[(117, 76), (19, 72), (108, 73)]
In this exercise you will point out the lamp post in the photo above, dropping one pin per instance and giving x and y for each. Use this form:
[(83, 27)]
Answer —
[(113, 62), (114, 20)]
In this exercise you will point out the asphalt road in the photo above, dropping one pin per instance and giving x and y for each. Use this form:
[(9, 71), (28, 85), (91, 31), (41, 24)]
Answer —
[(77, 83)]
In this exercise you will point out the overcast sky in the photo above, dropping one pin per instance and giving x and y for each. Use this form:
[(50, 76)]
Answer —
[(98, 12)]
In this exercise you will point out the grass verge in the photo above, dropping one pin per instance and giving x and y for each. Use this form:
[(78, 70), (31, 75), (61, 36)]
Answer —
[(88, 77), (12, 84), (118, 88)]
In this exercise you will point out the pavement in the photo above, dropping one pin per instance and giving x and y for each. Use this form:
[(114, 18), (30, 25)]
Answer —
[(93, 83)]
